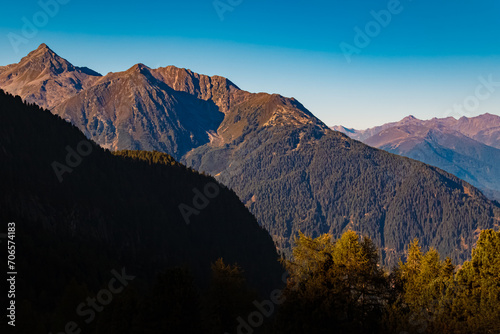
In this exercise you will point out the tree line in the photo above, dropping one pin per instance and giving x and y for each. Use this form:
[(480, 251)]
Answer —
[(332, 286), (339, 287)]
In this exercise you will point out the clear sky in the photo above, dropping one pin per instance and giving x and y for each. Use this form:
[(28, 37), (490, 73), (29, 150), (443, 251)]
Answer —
[(424, 58)]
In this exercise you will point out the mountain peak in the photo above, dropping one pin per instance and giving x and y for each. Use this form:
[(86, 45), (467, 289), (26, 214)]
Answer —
[(42, 51), (43, 46), (45, 78), (409, 118), (138, 68)]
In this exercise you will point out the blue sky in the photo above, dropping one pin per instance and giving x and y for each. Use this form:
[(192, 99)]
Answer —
[(426, 59)]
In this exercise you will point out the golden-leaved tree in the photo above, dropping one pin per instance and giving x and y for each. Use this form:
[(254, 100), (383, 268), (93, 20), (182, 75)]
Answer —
[(333, 287), (477, 304)]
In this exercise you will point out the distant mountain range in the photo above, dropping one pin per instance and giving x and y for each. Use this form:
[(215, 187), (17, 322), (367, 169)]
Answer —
[(290, 169), (468, 147), (484, 129)]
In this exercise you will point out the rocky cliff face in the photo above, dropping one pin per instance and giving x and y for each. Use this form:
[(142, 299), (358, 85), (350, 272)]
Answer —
[(217, 89)]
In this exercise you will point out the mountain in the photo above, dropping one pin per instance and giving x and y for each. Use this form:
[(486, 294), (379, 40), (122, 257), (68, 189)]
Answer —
[(111, 211), (465, 147), (290, 169), (44, 78)]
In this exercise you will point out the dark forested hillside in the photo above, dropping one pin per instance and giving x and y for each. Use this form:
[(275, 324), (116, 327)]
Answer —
[(80, 216)]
